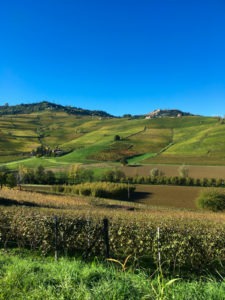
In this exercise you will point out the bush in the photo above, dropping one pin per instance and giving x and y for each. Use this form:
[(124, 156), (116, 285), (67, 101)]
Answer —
[(156, 172), (183, 171), (211, 199), (103, 190)]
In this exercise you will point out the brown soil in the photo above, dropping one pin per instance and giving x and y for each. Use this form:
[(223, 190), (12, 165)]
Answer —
[(167, 196), (172, 170)]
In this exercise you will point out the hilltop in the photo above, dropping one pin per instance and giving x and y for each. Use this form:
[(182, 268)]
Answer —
[(48, 106), (160, 113)]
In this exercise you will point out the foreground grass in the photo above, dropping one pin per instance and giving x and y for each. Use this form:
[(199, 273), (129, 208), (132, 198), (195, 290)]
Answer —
[(26, 277)]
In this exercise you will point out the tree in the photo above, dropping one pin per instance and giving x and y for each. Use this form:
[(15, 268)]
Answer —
[(116, 137), (50, 177), (211, 199), (183, 171), (113, 176), (29, 177), (72, 174), (40, 174), (108, 176), (3, 175), (11, 180), (155, 172), (119, 176), (124, 161), (21, 173), (77, 175)]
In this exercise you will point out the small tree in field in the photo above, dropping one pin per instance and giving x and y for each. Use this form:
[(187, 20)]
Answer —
[(11, 180), (124, 161), (211, 199), (183, 171), (116, 138), (155, 172)]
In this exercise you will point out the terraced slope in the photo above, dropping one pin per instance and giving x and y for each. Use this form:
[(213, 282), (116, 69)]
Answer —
[(88, 139)]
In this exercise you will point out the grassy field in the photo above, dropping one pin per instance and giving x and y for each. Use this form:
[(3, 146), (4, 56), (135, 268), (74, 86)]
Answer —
[(33, 278), (24, 277)]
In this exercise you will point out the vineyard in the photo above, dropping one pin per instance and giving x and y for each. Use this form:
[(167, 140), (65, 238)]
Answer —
[(73, 225)]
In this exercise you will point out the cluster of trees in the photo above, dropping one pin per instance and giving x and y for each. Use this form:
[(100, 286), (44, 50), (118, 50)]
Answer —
[(35, 176), (7, 177), (78, 175), (47, 151), (42, 151), (211, 199), (24, 175), (178, 180)]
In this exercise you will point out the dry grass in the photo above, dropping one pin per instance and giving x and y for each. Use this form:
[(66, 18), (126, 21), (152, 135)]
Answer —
[(113, 209), (53, 201)]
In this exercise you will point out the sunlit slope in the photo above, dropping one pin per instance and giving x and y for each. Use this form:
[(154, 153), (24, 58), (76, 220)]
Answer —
[(202, 142), (93, 139), (18, 136), (98, 140)]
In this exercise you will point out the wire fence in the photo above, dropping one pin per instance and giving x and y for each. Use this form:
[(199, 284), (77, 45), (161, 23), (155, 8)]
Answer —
[(192, 244), (83, 236)]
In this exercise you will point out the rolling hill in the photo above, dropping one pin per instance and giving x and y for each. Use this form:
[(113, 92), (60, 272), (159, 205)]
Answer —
[(73, 135)]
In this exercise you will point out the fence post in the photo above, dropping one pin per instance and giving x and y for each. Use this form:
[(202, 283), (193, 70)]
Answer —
[(56, 237), (158, 242), (106, 236)]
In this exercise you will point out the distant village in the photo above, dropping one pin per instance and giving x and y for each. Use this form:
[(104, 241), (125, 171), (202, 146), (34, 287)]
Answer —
[(172, 113)]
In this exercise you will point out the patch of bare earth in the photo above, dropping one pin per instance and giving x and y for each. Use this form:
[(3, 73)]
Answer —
[(167, 196), (173, 170)]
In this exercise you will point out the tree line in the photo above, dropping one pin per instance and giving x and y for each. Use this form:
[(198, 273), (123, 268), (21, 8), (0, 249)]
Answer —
[(77, 175)]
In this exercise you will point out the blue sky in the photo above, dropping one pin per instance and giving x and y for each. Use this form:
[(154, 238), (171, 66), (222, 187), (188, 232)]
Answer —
[(119, 56)]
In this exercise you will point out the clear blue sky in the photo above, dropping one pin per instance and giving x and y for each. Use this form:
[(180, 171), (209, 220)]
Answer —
[(121, 56)]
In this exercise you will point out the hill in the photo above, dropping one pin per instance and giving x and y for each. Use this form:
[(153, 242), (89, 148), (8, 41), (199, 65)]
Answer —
[(45, 105), (56, 136), (160, 113)]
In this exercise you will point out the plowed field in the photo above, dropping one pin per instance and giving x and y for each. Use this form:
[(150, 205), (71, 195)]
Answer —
[(168, 196), (172, 170)]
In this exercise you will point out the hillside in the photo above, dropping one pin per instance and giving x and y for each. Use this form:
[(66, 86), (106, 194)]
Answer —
[(48, 106), (87, 138)]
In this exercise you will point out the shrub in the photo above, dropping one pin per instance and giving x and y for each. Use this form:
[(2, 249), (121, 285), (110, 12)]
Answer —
[(103, 190), (183, 171), (211, 199), (156, 172), (114, 176), (116, 137)]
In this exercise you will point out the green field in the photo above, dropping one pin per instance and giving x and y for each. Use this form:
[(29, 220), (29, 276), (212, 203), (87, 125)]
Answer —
[(24, 277), (91, 139)]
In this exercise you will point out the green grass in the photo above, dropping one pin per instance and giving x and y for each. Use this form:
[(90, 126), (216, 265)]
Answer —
[(140, 158), (24, 277)]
